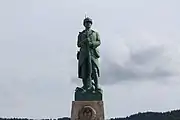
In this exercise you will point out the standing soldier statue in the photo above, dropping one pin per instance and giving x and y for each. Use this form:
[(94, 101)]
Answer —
[(88, 103), (88, 63)]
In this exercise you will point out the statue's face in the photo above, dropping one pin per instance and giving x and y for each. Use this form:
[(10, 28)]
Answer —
[(88, 24)]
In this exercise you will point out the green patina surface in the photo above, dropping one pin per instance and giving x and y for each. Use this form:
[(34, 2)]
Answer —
[(88, 95)]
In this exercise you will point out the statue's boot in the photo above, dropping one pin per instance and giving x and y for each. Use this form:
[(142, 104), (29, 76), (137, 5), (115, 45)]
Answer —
[(90, 84), (87, 85), (84, 87)]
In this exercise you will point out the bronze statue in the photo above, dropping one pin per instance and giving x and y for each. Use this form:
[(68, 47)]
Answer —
[(88, 55)]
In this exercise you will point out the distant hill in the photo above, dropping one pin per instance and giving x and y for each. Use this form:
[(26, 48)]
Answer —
[(172, 115)]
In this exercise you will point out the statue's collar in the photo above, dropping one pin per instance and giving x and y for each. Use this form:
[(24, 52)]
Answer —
[(89, 30)]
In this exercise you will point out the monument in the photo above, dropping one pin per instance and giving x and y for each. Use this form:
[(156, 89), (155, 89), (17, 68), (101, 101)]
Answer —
[(88, 101)]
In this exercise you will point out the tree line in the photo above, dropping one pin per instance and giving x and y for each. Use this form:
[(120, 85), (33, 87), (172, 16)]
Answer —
[(170, 115)]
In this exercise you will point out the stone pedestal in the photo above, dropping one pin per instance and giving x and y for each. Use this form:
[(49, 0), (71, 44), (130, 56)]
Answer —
[(88, 105), (87, 110)]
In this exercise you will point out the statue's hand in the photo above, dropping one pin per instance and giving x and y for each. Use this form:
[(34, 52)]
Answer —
[(90, 44), (84, 40)]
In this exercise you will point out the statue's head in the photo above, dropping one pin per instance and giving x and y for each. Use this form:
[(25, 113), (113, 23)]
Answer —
[(87, 23)]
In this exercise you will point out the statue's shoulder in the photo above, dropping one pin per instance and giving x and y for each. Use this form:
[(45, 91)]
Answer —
[(81, 32), (95, 32)]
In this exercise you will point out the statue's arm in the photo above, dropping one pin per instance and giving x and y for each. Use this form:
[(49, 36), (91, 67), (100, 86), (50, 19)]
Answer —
[(80, 43), (97, 42)]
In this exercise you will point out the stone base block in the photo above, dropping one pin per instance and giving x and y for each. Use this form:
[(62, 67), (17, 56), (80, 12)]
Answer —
[(88, 96)]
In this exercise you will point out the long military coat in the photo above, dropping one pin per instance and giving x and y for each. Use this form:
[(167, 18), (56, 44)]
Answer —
[(93, 37)]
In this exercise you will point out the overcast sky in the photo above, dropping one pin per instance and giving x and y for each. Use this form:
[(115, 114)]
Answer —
[(140, 60)]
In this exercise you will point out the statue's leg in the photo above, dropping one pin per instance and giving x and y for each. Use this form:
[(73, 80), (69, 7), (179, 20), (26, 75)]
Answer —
[(89, 72), (96, 80), (84, 76), (87, 83), (95, 77)]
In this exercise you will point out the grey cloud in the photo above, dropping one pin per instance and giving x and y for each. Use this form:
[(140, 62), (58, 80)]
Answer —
[(146, 64), (146, 56)]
